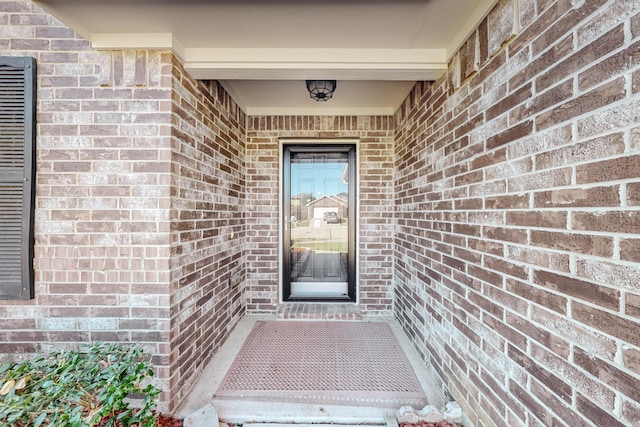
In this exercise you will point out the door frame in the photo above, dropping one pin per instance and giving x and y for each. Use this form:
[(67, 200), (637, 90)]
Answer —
[(354, 285)]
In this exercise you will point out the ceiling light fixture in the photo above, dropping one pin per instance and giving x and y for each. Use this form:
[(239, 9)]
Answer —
[(321, 90)]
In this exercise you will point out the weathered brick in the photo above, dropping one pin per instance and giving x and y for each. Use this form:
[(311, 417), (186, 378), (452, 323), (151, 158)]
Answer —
[(582, 152), (554, 343), (503, 171), (547, 16), (610, 221), (540, 180), (539, 296), (607, 17), (534, 256), (608, 323), (588, 55), (495, 157), (47, 32), (506, 267), (540, 141), (624, 276), (574, 376), (559, 387), (578, 197), (510, 334), (512, 100), (558, 406), (488, 276), (547, 59), (605, 297), (466, 331), (18, 348), (630, 250), (538, 410), (635, 140), (610, 67), (633, 194), (573, 242), (632, 305), (630, 412), (507, 202), (609, 374), (483, 42), (597, 98), (512, 134), (546, 219), (504, 234), (609, 170), (500, 25), (543, 101), (468, 59), (631, 358), (610, 119), (595, 413), (29, 44)]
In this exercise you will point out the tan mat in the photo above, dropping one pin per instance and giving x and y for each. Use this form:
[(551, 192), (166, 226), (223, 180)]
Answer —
[(350, 362)]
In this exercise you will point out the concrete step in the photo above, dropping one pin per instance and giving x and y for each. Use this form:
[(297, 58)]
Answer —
[(307, 425), (263, 414)]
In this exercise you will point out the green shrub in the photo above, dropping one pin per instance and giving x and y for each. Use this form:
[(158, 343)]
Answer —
[(79, 388)]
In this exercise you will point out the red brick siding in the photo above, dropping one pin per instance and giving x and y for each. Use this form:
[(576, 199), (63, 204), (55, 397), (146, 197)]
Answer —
[(376, 136), (516, 267), (207, 225)]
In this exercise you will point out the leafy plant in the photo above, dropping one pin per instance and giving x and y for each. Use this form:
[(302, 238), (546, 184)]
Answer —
[(79, 388)]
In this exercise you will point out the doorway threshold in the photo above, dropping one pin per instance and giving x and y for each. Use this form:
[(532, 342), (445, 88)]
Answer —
[(318, 311)]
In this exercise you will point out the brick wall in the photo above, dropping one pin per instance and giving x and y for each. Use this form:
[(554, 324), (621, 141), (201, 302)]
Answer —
[(139, 223), (207, 225), (516, 232), (376, 135), (102, 193), (516, 267)]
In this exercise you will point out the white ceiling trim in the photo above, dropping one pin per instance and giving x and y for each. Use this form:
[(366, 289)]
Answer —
[(286, 63), (301, 64), (318, 55), (370, 72)]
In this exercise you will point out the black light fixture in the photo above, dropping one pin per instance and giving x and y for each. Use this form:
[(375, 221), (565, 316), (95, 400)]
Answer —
[(321, 90)]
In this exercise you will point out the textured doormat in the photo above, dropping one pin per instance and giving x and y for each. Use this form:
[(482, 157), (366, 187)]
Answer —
[(328, 362)]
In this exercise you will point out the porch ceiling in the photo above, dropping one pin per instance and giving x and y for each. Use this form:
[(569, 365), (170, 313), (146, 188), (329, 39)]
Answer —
[(263, 50)]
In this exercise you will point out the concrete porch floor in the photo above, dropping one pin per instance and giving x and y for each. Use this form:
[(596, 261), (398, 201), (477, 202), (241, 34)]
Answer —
[(284, 412)]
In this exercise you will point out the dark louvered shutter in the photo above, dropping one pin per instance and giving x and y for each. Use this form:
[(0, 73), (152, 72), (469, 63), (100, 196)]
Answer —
[(17, 173)]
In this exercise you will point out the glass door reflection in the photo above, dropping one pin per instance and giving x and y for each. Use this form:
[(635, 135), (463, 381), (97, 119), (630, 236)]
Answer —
[(319, 230)]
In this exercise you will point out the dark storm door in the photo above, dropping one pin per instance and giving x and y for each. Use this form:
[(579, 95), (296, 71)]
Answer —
[(319, 223)]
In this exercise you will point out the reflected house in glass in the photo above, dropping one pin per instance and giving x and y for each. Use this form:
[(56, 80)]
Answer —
[(337, 203)]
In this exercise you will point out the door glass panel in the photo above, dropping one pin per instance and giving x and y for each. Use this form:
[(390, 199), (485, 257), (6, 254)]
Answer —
[(319, 234)]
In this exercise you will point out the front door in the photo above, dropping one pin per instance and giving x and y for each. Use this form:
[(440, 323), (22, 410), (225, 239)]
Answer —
[(319, 223)]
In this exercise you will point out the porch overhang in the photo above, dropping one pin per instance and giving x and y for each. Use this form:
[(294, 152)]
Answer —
[(287, 63), (377, 49)]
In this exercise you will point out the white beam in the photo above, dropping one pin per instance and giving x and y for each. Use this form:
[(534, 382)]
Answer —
[(208, 71), (339, 64)]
